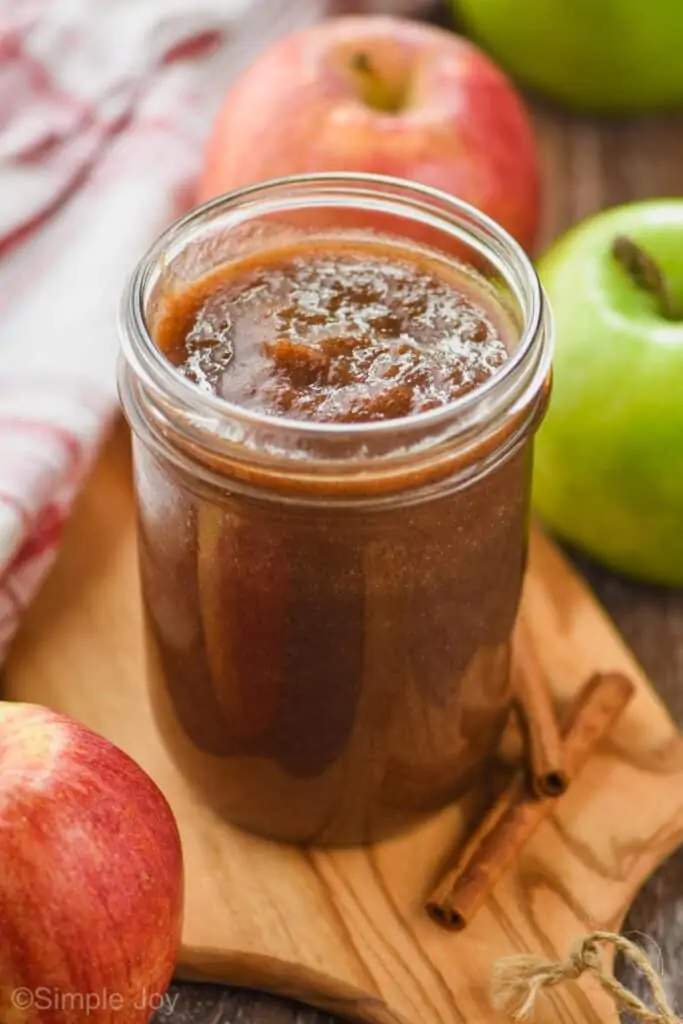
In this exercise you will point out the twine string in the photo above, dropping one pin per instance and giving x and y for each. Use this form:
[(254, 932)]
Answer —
[(518, 980)]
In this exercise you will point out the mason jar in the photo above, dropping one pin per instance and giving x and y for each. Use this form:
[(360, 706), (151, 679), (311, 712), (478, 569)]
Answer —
[(329, 606)]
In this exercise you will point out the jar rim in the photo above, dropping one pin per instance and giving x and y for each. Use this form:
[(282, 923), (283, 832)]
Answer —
[(428, 205)]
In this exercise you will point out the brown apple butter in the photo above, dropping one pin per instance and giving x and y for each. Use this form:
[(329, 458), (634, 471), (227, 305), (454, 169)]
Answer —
[(336, 333), (332, 442)]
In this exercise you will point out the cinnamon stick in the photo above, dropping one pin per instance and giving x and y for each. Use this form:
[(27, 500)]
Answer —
[(516, 814), (541, 727)]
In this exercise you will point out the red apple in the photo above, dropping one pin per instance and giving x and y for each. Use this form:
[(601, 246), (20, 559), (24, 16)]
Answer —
[(91, 877), (382, 95)]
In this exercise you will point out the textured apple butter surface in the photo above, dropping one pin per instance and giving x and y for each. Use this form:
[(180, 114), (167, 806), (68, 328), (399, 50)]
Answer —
[(328, 670), (336, 336)]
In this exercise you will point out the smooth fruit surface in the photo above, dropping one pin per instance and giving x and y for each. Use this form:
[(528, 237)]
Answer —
[(386, 96), (599, 55), (91, 877), (609, 456)]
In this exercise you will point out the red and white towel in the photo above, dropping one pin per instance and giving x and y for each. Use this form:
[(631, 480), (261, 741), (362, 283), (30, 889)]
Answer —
[(103, 108)]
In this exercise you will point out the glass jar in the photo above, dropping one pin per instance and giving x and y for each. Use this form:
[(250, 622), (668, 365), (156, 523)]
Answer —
[(329, 606)]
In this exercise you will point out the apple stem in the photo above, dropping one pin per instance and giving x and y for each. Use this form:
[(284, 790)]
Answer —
[(376, 92), (645, 273), (361, 62)]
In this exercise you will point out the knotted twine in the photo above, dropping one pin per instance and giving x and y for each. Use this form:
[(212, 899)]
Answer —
[(517, 980)]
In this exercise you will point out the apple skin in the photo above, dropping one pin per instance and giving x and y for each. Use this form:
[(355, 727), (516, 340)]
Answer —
[(609, 456), (620, 56), (300, 108), (91, 884)]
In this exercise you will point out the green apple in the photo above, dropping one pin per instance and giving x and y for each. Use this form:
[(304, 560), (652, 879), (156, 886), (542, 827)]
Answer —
[(609, 456), (600, 55)]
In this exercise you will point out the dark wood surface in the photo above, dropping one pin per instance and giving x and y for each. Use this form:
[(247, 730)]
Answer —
[(588, 164)]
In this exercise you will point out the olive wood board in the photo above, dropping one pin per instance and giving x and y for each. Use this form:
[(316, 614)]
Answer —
[(346, 930)]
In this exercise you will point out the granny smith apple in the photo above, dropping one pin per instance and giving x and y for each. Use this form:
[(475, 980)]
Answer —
[(609, 456), (600, 55)]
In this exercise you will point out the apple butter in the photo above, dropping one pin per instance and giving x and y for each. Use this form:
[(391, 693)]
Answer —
[(336, 333), (329, 635)]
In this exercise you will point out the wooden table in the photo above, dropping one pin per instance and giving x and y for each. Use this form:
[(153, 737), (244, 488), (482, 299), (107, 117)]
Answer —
[(588, 164)]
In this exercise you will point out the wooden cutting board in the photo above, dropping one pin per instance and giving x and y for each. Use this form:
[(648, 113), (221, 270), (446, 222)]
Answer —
[(346, 930)]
